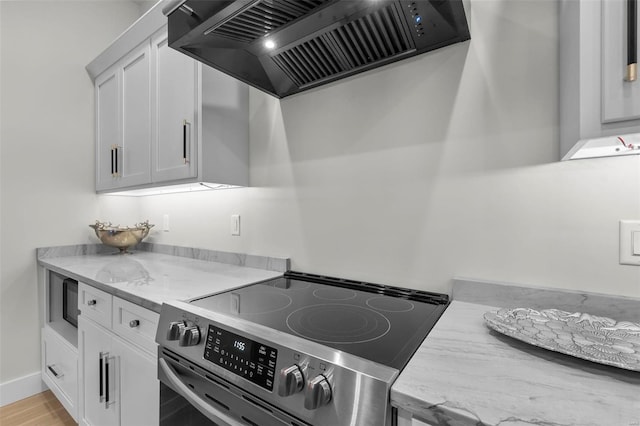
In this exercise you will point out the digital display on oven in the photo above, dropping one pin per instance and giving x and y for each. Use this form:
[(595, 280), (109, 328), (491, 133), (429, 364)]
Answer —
[(246, 358)]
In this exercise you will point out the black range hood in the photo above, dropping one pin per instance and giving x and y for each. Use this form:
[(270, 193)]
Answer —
[(287, 46)]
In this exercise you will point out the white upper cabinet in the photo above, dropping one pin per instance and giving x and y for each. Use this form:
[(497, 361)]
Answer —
[(123, 122), (107, 127), (136, 117), (174, 93), (599, 107), (165, 122)]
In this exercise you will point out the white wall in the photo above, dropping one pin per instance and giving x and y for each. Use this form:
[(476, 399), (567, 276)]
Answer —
[(47, 150), (439, 166)]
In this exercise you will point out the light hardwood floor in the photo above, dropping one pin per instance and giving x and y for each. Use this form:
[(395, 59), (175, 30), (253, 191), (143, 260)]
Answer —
[(42, 409)]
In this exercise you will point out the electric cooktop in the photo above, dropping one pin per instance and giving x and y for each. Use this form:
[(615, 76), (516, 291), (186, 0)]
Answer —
[(379, 323)]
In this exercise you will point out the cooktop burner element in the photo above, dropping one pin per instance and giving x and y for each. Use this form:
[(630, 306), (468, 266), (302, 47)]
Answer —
[(338, 323), (332, 293), (390, 305)]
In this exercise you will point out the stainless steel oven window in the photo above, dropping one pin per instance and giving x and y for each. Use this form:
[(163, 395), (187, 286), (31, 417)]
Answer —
[(175, 410)]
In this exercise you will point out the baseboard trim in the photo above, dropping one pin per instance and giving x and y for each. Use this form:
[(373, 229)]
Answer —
[(20, 388)]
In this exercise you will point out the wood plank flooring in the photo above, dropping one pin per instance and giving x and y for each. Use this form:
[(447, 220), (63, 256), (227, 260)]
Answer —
[(42, 409)]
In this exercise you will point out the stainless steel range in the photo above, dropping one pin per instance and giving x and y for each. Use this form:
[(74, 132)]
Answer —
[(296, 350)]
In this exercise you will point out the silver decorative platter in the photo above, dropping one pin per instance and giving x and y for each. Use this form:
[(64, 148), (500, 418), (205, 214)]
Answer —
[(598, 339)]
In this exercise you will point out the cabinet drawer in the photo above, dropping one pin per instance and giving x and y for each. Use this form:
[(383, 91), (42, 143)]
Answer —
[(60, 369), (135, 323), (95, 304)]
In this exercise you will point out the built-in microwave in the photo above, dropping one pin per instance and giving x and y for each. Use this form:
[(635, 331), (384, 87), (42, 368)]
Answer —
[(63, 299), (70, 301)]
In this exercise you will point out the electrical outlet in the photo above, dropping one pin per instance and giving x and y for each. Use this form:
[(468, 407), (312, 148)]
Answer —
[(165, 223), (630, 242), (235, 224)]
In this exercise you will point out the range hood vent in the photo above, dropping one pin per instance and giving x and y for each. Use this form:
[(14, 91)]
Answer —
[(262, 17), (375, 37), (313, 42)]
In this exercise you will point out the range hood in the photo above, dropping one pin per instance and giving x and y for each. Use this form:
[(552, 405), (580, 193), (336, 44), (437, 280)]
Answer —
[(287, 46)]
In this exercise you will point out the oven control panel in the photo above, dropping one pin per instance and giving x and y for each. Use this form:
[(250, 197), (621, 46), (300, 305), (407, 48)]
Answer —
[(249, 359)]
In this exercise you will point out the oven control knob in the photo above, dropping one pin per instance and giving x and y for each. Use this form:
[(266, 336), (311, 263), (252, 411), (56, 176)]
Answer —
[(175, 329), (291, 381), (317, 393), (190, 336)]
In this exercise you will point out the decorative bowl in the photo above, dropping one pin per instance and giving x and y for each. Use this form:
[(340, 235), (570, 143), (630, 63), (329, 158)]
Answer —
[(121, 237), (597, 339)]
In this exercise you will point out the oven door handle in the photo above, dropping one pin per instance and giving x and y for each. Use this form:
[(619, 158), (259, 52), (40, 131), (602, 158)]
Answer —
[(205, 408)]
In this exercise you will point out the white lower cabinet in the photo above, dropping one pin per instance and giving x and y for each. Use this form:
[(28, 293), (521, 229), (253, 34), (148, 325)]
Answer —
[(99, 372), (60, 369), (118, 379), (139, 389), (104, 372)]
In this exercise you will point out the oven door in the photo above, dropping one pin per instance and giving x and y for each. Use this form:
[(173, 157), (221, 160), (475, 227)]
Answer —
[(175, 410), (180, 405), (190, 395)]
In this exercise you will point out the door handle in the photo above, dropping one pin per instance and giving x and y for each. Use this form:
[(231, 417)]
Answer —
[(632, 40), (101, 377), (185, 123), (105, 395), (107, 391), (117, 150), (112, 161)]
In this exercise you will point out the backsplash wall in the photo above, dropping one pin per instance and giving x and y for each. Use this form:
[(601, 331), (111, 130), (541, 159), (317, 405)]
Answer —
[(439, 166)]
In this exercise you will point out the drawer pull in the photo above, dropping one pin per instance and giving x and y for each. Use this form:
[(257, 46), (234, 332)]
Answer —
[(92, 302), (134, 323), (54, 372)]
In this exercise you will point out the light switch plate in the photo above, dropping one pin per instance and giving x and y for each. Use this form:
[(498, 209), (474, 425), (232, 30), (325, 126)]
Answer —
[(235, 224), (630, 242), (165, 222)]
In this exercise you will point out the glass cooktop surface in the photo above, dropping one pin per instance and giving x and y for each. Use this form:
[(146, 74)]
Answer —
[(380, 323)]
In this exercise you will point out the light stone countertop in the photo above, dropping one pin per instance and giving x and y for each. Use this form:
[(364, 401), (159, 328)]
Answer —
[(149, 278), (464, 373)]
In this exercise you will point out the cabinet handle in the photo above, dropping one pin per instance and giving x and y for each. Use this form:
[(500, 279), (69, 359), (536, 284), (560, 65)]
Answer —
[(632, 40), (101, 377), (106, 375), (112, 161), (185, 123), (104, 378), (117, 148), (54, 372), (134, 323), (92, 302)]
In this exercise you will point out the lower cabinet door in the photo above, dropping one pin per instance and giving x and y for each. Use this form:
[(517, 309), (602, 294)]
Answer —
[(139, 386), (60, 369), (100, 405)]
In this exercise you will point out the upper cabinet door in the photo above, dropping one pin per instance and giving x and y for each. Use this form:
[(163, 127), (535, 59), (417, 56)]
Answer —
[(123, 122), (175, 154), (134, 160), (107, 127)]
